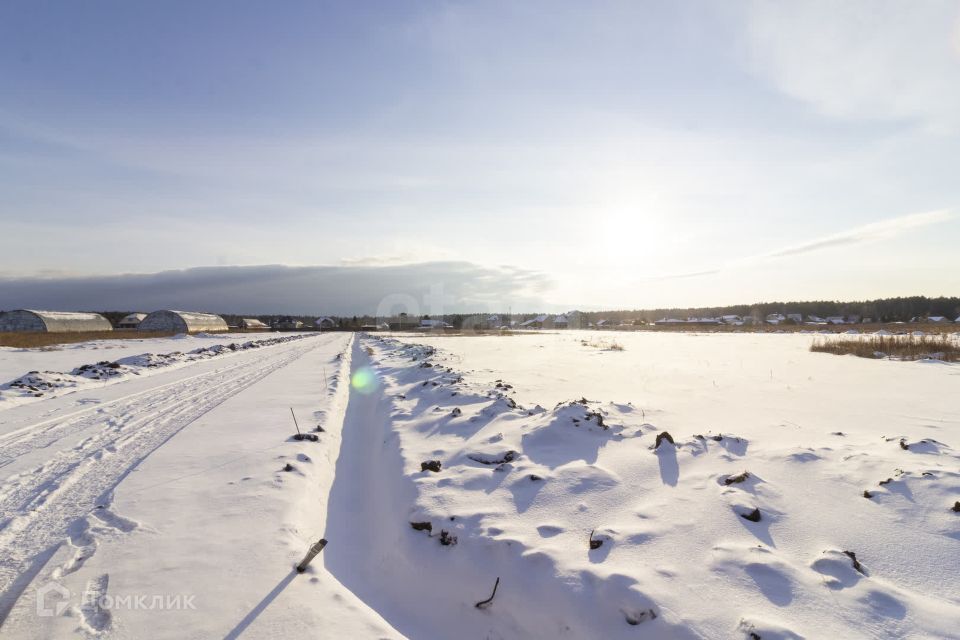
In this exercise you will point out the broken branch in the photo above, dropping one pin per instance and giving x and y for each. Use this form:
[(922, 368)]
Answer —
[(483, 604)]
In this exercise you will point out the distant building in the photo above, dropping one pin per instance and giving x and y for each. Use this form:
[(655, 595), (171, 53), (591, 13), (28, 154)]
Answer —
[(481, 322), (836, 320), (795, 317), (734, 320), (427, 324), (776, 318), (28, 320), (534, 323), (288, 323), (937, 319), (816, 320), (253, 323), (131, 321), (575, 320), (325, 323), (182, 322)]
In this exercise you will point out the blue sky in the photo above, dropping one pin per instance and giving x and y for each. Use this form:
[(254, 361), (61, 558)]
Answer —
[(627, 154)]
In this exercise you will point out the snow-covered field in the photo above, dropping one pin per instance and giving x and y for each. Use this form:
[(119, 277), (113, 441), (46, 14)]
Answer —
[(804, 495)]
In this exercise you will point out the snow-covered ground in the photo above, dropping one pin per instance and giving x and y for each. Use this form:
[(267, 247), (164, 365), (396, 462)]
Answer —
[(450, 465), (37, 384), (525, 484), (64, 357)]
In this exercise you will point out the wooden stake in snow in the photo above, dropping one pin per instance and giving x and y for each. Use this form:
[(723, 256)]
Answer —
[(483, 604), (295, 422), (312, 437), (311, 554)]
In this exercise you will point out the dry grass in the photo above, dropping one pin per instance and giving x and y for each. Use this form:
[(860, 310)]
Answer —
[(611, 345), (799, 328), (943, 347), (41, 340), (459, 333)]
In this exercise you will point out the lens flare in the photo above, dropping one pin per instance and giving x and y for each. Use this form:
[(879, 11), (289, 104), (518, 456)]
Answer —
[(364, 380)]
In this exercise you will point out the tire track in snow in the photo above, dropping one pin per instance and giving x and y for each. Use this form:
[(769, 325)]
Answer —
[(37, 508), (13, 441)]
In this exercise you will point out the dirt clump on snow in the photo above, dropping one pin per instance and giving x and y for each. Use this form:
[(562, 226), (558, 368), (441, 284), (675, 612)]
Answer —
[(753, 516), (740, 477), (663, 435)]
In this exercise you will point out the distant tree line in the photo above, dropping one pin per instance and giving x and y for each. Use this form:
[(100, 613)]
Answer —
[(881, 310)]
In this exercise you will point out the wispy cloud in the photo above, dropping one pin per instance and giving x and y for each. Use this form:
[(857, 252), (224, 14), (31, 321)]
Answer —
[(873, 232), (683, 275)]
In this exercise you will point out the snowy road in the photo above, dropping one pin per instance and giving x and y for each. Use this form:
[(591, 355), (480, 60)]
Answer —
[(78, 459)]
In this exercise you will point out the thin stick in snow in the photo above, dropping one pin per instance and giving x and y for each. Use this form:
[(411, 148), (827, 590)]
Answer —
[(312, 437), (483, 604), (295, 422)]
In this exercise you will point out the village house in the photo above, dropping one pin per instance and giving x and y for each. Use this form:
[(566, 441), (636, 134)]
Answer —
[(252, 323), (131, 321), (535, 322), (427, 324), (325, 323), (288, 323)]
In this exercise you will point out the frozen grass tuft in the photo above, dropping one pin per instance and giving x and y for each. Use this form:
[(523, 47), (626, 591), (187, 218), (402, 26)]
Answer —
[(945, 347), (30, 340), (605, 345)]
